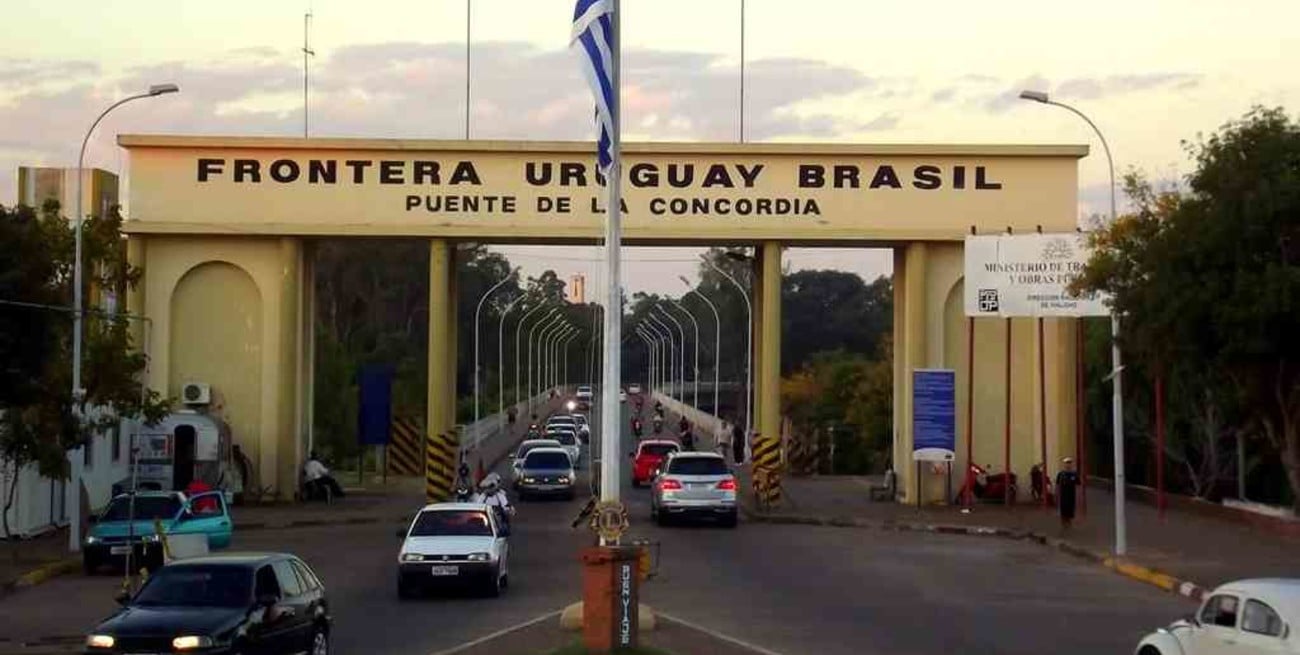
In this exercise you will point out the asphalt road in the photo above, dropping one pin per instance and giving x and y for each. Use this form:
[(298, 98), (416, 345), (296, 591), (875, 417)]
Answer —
[(791, 589)]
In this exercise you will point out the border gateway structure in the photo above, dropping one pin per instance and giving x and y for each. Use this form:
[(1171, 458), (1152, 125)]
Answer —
[(224, 229)]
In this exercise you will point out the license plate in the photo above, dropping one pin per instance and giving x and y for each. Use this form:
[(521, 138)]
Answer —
[(119, 550), (444, 570)]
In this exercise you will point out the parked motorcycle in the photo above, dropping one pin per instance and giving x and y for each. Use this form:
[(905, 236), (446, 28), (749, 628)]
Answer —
[(987, 487)]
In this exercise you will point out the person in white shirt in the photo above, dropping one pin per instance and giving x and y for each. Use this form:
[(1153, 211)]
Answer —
[(317, 478), (492, 495)]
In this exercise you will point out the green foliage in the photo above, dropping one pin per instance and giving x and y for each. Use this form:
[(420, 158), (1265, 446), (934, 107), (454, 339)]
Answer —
[(38, 414), (1208, 284)]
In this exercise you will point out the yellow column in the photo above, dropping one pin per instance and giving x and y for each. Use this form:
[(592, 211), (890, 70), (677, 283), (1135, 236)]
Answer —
[(135, 256), (756, 346), (770, 326), (911, 348), (453, 338), (439, 451)]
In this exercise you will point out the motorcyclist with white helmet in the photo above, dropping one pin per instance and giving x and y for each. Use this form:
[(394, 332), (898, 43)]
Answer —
[(492, 495)]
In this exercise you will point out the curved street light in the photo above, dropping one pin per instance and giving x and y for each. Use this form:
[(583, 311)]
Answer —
[(535, 375), (695, 376), (749, 348), (654, 355), (518, 350), (681, 352), (78, 308), (649, 353), (1116, 363), (478, 309), (528, 345), (501, 344), (671, 351), (717, 338)]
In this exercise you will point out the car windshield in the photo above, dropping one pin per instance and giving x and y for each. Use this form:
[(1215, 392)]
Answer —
[(451, 523), (560, 422), (698, 466), (147, 508), (197, 585), (580, 420), (524, 449), (565, 438), (658, 449), (548, 460)]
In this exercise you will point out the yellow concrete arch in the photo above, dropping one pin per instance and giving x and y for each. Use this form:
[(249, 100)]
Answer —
[(216, 337)]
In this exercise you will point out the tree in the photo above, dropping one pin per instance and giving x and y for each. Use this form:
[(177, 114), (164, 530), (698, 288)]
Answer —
[(39, 418), (832, 310), (1210, 283)]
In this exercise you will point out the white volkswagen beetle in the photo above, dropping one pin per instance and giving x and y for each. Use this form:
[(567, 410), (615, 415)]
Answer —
[(1246, 617)]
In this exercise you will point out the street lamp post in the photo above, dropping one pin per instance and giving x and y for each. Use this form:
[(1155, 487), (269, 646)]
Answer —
[(749, 354), (518, 331), (501, 357), (649, 354), (531, 331), (695, 376), (1117, 368), (681, 352), (478, 309), (656, 352), (535, 376), (552, 347), (673, 373), (717, 338), (74, 523)]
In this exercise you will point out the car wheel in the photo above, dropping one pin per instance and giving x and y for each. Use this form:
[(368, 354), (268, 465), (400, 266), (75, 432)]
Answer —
[(320, 642), (493, 588), (1149, 650), (89, 563)]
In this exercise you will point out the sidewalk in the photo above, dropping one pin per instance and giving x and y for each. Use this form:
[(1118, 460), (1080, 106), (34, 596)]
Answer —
[(1200, 549)]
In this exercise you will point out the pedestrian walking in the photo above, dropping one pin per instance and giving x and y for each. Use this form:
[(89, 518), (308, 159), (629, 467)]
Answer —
[(241, 481), (722, 440), (738, 442), (1066, 481)]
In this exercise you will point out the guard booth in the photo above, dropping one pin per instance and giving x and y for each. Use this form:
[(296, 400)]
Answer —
[(185, 446)]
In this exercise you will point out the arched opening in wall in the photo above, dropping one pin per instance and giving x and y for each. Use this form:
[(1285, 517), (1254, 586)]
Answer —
[(837, 365)]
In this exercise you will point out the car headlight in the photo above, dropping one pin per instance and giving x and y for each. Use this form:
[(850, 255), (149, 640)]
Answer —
[(190, 642), (412, 557), (92, 540), (100, 641), (529, 480), (564, 479), (478, 557), (151, 538)]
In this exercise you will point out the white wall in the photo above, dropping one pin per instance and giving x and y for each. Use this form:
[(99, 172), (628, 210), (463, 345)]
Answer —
[(41, 504)]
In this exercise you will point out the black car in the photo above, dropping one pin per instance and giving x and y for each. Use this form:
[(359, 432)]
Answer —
[(233, 603)]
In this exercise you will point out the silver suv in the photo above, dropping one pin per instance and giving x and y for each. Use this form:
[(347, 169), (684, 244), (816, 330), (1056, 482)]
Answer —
[(694, 484)]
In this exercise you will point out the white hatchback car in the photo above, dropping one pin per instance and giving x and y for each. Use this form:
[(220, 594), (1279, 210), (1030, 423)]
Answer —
[(1246, 617), (453, 544)]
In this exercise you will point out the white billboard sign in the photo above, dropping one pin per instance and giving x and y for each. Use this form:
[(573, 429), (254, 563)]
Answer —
[(1027, 275)]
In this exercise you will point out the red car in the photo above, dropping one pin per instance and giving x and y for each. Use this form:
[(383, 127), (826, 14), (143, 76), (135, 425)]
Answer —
[(649, 456)]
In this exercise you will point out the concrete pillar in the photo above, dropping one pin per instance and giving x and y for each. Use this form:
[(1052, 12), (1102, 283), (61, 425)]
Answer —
[(440, 307), (305, 421), (756, 297), (910, 320), (135, 256), (770, 327)]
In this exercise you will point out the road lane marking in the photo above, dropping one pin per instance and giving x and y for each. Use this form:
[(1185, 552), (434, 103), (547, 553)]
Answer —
[(499, 633), (718, 635)]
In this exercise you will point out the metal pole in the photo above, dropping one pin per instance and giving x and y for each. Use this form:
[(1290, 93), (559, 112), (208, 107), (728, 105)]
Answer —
[(1006, 435), (537, 377), (531, 331), (1116, 360), (467, 60), (610, 460), (717, 343), (519, 330), (681, 353), (74, 521), (673, 371), (478, 309), (742, 71), (695, 389), (749, 349), (501, 357)]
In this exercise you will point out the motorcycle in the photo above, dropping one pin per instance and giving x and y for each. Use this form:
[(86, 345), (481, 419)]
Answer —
[(658, 425), (988, 487), (637, 429), (464, 494), (1039, 485)]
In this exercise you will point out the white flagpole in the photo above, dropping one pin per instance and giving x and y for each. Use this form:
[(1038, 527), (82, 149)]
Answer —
[(610, 436)]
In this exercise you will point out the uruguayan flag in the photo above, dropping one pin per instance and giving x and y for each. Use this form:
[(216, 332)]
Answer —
[(593, 30)]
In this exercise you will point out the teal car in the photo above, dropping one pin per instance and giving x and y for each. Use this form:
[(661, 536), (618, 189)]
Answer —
[(129, 528)]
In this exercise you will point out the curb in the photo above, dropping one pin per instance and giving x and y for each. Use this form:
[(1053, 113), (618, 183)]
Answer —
[(1124, 567), (314, 523), (41, 574)]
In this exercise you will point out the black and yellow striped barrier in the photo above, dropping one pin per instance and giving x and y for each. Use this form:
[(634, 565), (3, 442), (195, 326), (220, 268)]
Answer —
[(767, 470), (404, 446), (440, 454)]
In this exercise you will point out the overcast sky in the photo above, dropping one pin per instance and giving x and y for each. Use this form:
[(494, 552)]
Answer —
[(1150, 73)]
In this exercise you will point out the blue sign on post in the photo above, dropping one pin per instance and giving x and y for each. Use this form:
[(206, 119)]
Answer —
[(374, 411), (934, 414)]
